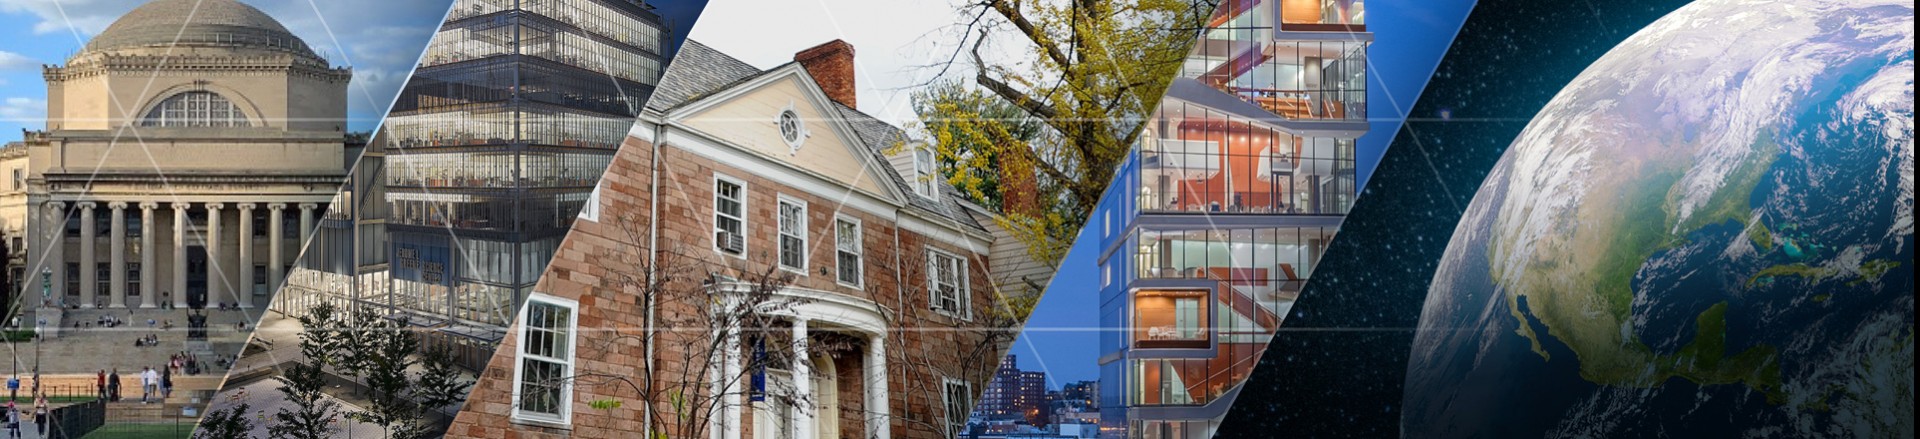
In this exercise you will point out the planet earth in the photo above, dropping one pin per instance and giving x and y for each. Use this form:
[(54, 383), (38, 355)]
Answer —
[(1707, 233)]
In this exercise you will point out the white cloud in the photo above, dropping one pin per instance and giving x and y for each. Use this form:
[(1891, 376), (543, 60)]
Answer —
[(31, 112), (86, 17), (12, 61), (380, 39)]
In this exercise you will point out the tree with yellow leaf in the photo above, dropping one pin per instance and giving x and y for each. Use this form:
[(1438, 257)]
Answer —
[(1039, 135)]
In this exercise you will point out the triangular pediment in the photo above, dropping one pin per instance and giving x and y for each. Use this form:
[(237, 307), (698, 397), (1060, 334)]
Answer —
[(748, 116)]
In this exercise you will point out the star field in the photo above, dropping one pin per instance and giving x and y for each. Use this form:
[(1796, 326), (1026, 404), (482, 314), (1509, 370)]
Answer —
[(1338, 364)]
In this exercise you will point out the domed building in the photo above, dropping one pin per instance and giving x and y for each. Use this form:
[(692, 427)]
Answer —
[(186, 148)]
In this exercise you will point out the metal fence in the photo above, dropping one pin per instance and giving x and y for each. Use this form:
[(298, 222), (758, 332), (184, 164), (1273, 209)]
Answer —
[(75, 421)]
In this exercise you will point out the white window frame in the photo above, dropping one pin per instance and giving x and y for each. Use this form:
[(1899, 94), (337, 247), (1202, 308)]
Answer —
[(962, 289), (924, 171), (741, 217), (780, 234), (956, 423), (859, 252), (520, 355)]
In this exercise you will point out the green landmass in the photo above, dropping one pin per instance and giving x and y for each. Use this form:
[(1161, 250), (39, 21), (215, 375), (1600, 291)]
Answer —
[(1729, 203), (1703, 360), (1822, 298), (1869, 271), (1872, 270), (1811, 273), (1631, 231), (1761, 237)]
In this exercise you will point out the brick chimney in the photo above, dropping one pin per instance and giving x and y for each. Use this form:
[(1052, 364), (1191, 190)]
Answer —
[(1019, 185), (831, 65)]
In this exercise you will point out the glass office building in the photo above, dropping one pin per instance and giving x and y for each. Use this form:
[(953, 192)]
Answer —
[(1215, 221), (493, 146)]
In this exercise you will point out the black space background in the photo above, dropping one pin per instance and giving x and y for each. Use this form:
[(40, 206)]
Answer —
[(1338, 364)]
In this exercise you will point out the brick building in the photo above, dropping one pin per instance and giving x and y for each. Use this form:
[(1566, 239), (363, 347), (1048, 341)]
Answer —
[(871, 286)]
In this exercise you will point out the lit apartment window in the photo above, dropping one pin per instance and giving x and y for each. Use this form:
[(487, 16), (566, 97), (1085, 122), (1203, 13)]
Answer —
[(957, 396), (729, 216), (924, 181), (545, 360), (947, 281), (793, 234), (847, 252)]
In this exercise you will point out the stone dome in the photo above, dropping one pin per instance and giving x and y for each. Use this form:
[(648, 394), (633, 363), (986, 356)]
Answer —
[(197, 23)]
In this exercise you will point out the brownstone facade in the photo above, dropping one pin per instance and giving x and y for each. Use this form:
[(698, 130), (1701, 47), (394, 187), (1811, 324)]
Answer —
[(602, 265)]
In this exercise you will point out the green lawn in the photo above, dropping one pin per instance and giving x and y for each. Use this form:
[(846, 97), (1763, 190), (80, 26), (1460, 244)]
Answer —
[(142, 431)]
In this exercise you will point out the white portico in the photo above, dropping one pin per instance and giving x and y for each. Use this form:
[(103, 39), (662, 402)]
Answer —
[(799, 392)]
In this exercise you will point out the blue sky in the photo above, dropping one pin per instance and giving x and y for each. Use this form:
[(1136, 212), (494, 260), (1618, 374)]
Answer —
[(380, 39), (1410, 36)]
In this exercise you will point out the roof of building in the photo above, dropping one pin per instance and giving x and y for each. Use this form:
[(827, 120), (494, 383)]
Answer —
[(699, 71), (223, 23)]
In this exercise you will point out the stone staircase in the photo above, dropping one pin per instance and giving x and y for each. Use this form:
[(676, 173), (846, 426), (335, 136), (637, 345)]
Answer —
[(189, 401), (81, 350)]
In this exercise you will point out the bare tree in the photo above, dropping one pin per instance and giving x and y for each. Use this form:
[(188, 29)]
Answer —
[(710, 315)]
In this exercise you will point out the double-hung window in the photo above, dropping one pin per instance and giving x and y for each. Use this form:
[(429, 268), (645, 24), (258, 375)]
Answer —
[(924, 181), (947, 281), (847, 253), (793, 234), (543, 372), (729, 216), (957, 396)]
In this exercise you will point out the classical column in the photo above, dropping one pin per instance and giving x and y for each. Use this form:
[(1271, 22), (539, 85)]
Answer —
[(57, 253), (306, 221), (180, 254), (879, 425), (807, 408), (117, 256), (216, 284), (89, 268), (276, 276), (729, 388), (245, 291), (147, 250)]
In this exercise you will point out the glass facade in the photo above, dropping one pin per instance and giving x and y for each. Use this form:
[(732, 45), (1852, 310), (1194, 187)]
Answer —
[(1293, 57), (1196, 159), (484, 161), (1217, 218)]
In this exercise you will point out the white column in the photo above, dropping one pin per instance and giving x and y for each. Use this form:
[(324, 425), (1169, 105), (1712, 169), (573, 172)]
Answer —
[(117, 256), (147, 250), (805, 407), (245, 290), (180, 254), (216, 284), (306, 221), (729, 386), (89, 270), (879, 421), (275, 230), (57, 253)]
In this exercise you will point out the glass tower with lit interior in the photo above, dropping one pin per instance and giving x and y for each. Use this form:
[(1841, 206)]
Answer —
[(490, 151), (1217, 217)]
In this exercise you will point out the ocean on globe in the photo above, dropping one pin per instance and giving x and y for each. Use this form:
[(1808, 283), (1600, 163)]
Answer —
[(1707, 233)]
